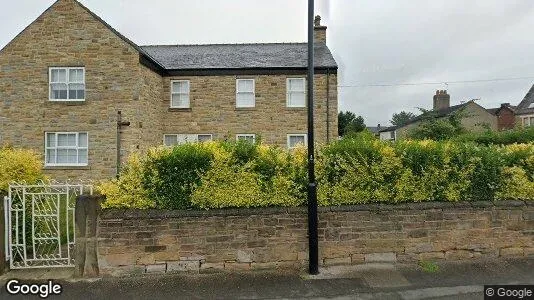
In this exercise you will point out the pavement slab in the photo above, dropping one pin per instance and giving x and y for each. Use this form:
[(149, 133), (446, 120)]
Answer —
[(463, 280)]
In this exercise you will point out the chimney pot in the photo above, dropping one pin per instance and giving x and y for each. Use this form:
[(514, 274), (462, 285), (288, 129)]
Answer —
[(319, 31), (317, 20)]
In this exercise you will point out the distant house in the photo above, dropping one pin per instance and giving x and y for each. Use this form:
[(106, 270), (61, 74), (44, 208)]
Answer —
[(525, 110), (475, 117), (505, 114), (388, 133), (374, 129), (509, 116)]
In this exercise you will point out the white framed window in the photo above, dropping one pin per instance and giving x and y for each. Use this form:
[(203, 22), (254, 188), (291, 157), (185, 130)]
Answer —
[(528, 121), (66, 84), (66, 148), (179, 139), (251, 138), (245, 93), (180, 94), (295, 139), (296, 92), (204, 137)]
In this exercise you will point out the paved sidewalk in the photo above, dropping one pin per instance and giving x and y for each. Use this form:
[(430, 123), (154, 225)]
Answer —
[(373, 281)]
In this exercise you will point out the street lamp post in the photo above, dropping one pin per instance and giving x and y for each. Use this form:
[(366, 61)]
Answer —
[(313, 242)]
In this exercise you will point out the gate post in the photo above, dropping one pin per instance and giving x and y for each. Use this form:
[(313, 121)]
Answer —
[(86, 217), (3, 233)]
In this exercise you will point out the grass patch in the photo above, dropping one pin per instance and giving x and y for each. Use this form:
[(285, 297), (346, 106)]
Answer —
[(428, 266)]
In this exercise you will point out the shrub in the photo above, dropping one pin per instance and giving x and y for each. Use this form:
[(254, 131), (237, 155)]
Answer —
[(519, 135), (171, 174), (19, 165), (127, 191), (516, 185), (264, 176), (353, 170), (226, 185), (356, 171)]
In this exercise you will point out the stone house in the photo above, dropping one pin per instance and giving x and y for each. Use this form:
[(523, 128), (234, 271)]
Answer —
[(474, 117), (524, 111), (68, 77)]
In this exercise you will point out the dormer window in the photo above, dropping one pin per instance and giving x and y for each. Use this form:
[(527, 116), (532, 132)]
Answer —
[(67, 84)]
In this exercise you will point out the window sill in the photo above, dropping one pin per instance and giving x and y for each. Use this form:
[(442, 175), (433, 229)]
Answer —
[(67, 102), (296, 107), (67, 168), (176, 109), (245, 108)]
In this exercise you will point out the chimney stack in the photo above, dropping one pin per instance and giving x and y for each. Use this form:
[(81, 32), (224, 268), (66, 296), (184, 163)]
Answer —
[(442, 100), (319, 31)]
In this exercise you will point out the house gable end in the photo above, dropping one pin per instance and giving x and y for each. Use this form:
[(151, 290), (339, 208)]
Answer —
[(60, 7)]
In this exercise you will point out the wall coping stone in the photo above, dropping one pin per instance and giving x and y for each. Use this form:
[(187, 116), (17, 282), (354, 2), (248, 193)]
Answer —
[(509, 203), (110, 214)]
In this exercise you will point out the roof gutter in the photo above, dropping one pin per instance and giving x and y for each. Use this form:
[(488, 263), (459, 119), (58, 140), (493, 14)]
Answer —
[(249, 71)]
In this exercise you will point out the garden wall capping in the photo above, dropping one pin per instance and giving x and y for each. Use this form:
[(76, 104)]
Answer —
[(164, 213)]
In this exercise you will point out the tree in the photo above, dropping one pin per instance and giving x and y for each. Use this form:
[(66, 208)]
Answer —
[(348, 122), (401, 118), (434, 128)]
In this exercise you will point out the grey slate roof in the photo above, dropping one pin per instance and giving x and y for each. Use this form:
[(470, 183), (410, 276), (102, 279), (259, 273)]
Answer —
[(373, 129), (239, 56), (527, 105)]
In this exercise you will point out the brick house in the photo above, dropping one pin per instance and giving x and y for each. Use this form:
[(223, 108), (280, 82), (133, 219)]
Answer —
[(65, 77), (505, 114), (510, 116)]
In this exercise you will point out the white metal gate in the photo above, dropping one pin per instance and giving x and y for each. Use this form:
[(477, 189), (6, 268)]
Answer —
[(40, 224)]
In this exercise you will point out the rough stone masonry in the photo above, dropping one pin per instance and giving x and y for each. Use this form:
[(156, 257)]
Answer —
[(133, 241)]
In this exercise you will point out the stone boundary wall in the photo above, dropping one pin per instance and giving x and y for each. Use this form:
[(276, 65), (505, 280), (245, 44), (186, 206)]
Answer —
[(134, 241)]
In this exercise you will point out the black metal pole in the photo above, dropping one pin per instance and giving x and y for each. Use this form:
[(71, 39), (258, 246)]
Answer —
[(313, 241)]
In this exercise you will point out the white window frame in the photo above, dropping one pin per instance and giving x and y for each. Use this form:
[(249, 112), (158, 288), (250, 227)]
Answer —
[(56, 148), (180, 93), (297, 134), (288, 92), (237, 92), (67, 71), (528, 120), (185, 134), (245, 135), (206, 134)]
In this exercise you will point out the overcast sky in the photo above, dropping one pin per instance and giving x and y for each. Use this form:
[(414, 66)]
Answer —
[(373, 41)]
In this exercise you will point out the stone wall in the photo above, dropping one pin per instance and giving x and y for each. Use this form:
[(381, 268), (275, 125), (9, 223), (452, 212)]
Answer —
[(213, 109), (202, 241), (67, 35)]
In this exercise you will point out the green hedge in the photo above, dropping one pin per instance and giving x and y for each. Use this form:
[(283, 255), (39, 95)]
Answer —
[(360, 169), (19, 165), (519, 135)]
